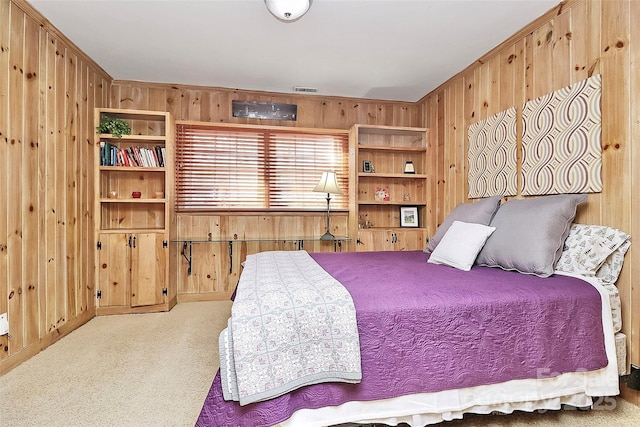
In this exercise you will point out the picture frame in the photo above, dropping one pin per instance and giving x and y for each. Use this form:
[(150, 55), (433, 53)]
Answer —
[(409, 216), (367, 166)]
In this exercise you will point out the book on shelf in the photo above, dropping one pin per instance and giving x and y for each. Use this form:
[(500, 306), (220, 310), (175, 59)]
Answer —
[(111, 155)]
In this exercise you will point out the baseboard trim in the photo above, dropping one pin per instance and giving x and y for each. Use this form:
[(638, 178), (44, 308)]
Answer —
[(210, 296)]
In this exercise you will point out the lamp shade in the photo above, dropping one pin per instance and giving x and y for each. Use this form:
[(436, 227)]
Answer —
[(287, 10), (328, 183)]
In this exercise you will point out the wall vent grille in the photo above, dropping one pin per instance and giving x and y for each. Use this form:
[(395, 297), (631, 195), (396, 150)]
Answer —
[(302, 89)]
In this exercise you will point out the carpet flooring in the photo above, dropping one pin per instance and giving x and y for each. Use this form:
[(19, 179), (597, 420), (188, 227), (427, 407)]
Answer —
[(156, 369)]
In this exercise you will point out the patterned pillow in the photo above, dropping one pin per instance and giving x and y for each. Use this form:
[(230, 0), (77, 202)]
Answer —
[(588, 248), (616, 308), (612, 266)]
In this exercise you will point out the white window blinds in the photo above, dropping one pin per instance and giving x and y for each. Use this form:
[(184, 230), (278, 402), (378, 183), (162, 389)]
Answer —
[(229, 168)]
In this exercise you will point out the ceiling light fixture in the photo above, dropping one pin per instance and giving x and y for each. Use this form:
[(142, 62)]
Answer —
[(288, 10)]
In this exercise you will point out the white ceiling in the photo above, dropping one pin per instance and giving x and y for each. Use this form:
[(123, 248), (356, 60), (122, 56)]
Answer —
[(391, 50)]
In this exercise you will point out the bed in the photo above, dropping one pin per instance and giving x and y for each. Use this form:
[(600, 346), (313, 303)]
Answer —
[(437, 342)]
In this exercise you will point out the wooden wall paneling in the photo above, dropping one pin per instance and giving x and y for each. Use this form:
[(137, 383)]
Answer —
[(114, 96), (14, 187), (70, 222), (431, 111), (30, 194), (449, 150), (85, 185), (50, 165), (4, 170), (458, 133), (205, 106), (441, 184), (617, 150), (542, 58), (220, 106), (172, 99), (335, 112), (125, 98), (507, 78), (88, 165), (519, 98), (205, 275), (60, 184), (493, 82), (483, 91), (408, 114), (561, 42), (354, 112), (191, 104), (157, 99), (214, 104), (633, 257), (585, 52), (44, 262), (353, 109), (616, 156), (183, 224), (86, 243), (468, 118), (580, 42), (307, 112)]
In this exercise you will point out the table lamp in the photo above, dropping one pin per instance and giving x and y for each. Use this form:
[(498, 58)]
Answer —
[(328, 184)]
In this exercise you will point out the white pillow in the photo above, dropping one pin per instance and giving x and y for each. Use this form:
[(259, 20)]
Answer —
[(460, 245)]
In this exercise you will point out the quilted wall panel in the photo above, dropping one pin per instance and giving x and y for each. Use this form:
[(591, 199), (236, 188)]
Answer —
[(561, 141), (492, 156)]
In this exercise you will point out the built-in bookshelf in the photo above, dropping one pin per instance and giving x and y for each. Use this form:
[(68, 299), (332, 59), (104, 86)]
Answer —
[(389, 174), (133, 185)]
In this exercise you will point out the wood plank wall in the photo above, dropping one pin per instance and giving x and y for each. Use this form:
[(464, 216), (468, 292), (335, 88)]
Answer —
[(48, 90), (212, 276), (574, 41)]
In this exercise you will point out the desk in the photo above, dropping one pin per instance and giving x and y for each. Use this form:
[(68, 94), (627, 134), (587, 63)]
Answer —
[(188, 242)]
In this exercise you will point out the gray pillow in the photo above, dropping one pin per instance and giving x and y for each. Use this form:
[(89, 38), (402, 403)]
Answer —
[(479, 212), (530, 233)]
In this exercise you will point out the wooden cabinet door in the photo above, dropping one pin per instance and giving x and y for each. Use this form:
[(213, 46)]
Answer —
[(410, 240), (148, 269), (390, 240), (114, 267), (375, 240)]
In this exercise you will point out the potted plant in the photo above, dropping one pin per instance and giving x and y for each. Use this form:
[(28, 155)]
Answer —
[(115, 126)]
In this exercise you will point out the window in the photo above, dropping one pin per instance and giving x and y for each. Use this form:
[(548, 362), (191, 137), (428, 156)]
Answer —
[(252, 168)]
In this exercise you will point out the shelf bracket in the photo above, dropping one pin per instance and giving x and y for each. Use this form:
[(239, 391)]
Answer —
[(188, 243)]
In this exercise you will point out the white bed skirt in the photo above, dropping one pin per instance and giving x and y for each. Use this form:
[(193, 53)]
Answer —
[(548, 392)]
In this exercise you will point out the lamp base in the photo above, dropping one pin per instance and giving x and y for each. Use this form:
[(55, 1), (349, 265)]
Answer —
[(327, 236)]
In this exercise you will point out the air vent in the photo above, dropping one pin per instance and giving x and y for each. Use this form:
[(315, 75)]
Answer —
[(302, 89)]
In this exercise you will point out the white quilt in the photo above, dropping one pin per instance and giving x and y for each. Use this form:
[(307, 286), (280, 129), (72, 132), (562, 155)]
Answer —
[(292, 324)]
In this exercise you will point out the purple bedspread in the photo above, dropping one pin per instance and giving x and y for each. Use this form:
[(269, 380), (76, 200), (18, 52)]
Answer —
[(426, 328)]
